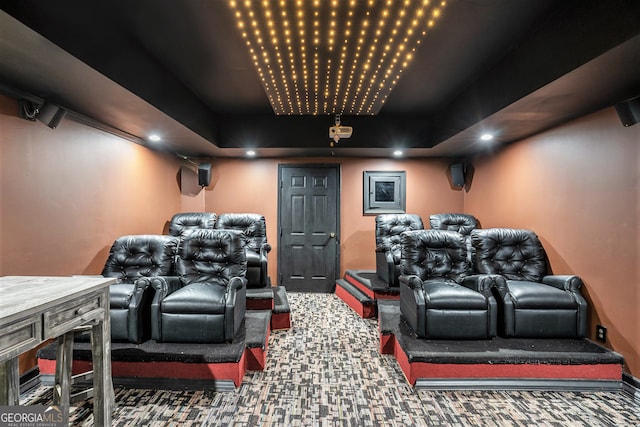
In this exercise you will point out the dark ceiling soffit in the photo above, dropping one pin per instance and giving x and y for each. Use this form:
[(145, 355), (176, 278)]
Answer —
[(568, 36), (143, 75), (268, 131)]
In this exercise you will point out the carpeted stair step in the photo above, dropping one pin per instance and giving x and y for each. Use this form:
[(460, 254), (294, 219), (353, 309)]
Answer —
[(257, 338), (281, 318), (260, 299), (356, 299)]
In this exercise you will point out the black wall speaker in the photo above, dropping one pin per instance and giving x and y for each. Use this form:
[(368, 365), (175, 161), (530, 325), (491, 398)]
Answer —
[(204, 174), (457, 174), (629, 111), (51, 115)]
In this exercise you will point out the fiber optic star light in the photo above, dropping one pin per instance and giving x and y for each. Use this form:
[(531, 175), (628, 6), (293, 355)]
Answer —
[(332, 56)]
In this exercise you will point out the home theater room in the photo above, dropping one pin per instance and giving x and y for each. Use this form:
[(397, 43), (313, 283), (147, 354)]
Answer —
[(320, 212)]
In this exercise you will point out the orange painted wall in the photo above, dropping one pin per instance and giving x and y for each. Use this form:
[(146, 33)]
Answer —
[(578, 188), (68, 193), (252, 186)]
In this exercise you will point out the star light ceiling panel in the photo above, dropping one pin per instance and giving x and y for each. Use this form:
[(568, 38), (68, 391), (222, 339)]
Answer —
[(332, 56)]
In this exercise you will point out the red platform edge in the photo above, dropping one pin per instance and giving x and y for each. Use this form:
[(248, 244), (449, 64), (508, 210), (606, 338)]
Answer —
[(368, 291), (260, 304), (280, 320), (233, 371), (252, 359), (257, 356), (365, 311), (416, 370)]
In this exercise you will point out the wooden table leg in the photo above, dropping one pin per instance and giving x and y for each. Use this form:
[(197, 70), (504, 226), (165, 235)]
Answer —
[(102, 381), (64, 364), (9, 382)]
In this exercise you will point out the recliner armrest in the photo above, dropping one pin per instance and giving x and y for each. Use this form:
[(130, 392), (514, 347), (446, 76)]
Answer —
[(412, 281), (482, 283), (140, 286), (566, 282), (384, 266), (235, 306), (163, 285), (237, 282)]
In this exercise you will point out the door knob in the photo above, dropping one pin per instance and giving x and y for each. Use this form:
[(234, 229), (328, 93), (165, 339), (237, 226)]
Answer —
[(332, 235)]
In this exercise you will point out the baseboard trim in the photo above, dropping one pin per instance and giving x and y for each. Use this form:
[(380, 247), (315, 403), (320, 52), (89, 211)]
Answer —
[(524, 384), (161, 383), (631, 386), (29, 380)]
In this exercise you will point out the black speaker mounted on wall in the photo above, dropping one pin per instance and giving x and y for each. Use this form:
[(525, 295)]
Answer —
[(204, 174), (457, 174), (629, 111)]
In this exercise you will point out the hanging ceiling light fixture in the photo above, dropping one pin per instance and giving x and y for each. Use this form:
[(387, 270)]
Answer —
[(332, 57)]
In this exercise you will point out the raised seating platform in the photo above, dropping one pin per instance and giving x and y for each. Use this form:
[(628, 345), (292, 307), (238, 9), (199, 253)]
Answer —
[(361, 289), (499, 363), (181, 365)]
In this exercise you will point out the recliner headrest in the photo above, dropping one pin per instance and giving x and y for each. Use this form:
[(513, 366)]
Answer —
[(145, 255), (184, 221), (514, 253), (389, 227), (462, 223), (213, 256), (434, 254), (253, 227)]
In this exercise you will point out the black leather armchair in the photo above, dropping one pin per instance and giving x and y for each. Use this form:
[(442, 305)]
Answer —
[(462, 223), (253, 230), (206, 301), (185, 221), (438, 299), (389, 227), (533, 303), (130, 259)]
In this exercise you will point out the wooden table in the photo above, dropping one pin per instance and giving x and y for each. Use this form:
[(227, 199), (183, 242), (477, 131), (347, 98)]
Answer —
[(34, 309)]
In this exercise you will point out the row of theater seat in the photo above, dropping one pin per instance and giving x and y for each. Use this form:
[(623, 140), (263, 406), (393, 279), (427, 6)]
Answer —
[(458, 281), (190, 285)]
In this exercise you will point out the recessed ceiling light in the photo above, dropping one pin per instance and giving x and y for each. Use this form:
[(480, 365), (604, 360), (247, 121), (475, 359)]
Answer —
[(486, 137), (154, 137), (398, 153), (251, 153)]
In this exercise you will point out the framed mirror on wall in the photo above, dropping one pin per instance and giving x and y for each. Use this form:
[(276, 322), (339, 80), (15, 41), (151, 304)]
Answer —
[(384, 192)]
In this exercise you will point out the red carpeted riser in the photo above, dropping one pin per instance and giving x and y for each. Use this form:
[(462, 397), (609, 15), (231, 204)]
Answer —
[(174, 370), (365, 311), (260, 304), (256, 359), (417, 370), (281, 320), (387, 343), (368, 291)]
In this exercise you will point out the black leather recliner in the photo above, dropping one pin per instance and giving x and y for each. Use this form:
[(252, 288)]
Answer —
[(438, 297), (462, 223), (253, 230), (533, 303), (185, 221), (206, 301), (389, 227), (130, 259)]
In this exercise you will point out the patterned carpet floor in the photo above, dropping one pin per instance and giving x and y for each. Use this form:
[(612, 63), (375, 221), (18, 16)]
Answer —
[(326, 371)]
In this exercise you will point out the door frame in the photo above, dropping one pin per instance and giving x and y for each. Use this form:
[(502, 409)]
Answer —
[(338, 168)]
